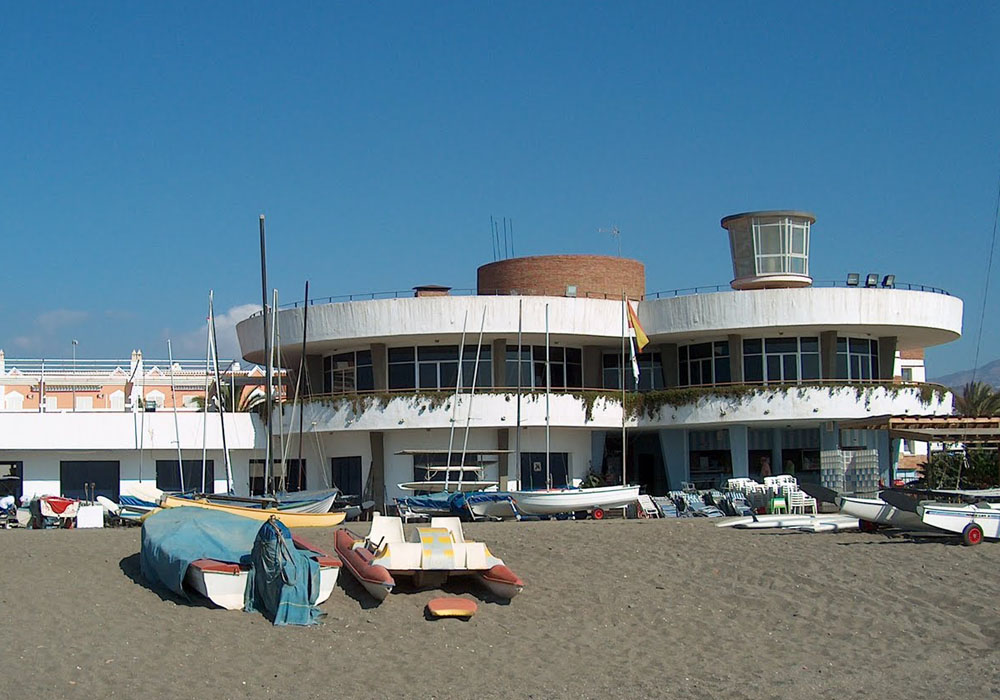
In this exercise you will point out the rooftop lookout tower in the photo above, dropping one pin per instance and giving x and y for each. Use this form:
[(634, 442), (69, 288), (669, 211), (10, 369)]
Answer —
[(770, 249)]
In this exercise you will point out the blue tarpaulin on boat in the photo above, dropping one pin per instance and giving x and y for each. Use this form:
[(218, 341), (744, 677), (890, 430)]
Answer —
[(284, 581), (175, 537)]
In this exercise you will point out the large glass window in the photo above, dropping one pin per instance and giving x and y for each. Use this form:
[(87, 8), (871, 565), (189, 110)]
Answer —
[(435, 367), (781, 245), (780, 360), (290, 478), (565, 365), (704, 363), (650, 371), (348, 372), (857, 359)]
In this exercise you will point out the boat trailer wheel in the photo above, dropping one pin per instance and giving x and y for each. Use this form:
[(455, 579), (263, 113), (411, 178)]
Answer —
[(598, 513), (868, 526), (972, 535)]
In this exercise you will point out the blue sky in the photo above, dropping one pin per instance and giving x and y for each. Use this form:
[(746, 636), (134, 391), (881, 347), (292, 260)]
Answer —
[(141, 144)]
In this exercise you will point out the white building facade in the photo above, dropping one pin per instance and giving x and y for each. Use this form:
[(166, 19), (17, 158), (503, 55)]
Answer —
[(733, 379)]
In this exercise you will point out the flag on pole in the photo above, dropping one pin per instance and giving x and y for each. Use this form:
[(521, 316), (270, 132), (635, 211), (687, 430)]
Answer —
[(641, 339), (638, 339)]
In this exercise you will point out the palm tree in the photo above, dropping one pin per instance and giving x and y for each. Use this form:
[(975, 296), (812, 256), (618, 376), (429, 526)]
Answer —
[(978, 399)]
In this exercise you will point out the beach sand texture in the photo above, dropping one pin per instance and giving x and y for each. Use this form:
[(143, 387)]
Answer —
[(610, 609)]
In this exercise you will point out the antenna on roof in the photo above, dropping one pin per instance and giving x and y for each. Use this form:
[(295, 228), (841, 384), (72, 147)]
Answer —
[(512, 238), (616, 234), (493, 238)]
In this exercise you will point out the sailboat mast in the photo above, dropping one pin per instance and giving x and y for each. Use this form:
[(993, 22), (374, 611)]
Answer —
[(204, 410), (472, 395), (548, 391), (276, 364), (267, 355), (624, 443), (218, 390), (517, 432), (454, 402), (173, 401), (302, 369)]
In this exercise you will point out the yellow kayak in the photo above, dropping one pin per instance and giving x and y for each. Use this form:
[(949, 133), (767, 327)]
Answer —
[(289, 519)]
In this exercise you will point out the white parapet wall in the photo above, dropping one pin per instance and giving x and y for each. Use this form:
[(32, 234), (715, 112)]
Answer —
[(702, 407)]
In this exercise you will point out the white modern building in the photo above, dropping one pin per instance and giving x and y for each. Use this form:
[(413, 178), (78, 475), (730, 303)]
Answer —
[(760, 371)]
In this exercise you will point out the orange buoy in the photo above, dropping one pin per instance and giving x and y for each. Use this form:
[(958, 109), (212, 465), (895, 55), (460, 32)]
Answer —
[(452, 607)]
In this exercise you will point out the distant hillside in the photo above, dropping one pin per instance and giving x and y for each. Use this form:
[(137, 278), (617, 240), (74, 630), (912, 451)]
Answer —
[(989, 373)]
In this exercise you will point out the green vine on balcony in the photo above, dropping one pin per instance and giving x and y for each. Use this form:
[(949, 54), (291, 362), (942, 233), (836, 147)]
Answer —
[(649, 404)]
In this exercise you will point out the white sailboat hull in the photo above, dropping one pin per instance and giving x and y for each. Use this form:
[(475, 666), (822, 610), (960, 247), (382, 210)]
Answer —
[(875, 510), (226, 588), (797, 521), (955, 518), (569, 500)]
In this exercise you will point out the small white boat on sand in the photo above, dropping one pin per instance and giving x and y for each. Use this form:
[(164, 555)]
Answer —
[(875, 510), (569, 500)]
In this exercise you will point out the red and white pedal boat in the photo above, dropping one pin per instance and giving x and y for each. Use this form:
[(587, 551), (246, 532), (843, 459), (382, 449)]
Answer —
[(224, 583), (440, 552)]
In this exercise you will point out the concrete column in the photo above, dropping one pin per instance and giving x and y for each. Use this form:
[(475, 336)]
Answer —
[(736, 361), (829, 439), (674, 445), (500, 363), (503, 461), (380, 367), (828, 354), (777, 438), (739, 445), (377, 474), (668, 356), (593, 367), (886, 357), (884, 446)]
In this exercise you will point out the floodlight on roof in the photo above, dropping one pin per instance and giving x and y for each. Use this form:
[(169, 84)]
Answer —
[(871, 280), (853, 278), (889, 281)]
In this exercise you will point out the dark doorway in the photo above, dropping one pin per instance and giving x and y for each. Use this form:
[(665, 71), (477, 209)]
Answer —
[(533, 469), (293, 479), (168, 478), (105, 476), (346, 474), (12, 479), (645, 463)]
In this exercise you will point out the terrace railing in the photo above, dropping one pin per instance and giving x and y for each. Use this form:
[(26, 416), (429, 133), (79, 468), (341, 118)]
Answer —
[(683, 291)]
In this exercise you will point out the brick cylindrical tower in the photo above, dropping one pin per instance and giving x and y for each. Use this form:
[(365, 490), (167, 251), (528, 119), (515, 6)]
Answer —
[(592, 276)]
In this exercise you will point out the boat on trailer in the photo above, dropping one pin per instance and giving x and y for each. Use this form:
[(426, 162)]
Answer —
[(973, 521), (439, 553), (570, 500)]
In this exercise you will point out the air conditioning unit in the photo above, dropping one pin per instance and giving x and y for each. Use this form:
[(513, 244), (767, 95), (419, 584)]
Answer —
[(571, 290)]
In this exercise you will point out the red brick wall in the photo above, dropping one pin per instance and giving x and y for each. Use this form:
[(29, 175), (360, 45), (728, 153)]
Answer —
[(549, 275), (917, 354)]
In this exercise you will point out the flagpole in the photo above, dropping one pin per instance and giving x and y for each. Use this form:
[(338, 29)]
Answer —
[(517, 434), (624, 444), (548, 390)]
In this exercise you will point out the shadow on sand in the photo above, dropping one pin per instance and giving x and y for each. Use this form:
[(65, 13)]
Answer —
[(132, 568)]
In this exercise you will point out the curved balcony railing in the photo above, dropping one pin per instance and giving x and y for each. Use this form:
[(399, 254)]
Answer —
[(683, 291)]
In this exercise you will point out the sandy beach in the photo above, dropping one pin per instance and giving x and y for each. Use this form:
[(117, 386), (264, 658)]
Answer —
[(610, 609)]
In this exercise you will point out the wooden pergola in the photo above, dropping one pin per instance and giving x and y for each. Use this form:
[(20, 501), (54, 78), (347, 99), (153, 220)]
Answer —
[(943, 429), (983, 433)]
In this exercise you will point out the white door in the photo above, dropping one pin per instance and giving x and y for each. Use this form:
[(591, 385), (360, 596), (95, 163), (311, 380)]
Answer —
[(84, 403)]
